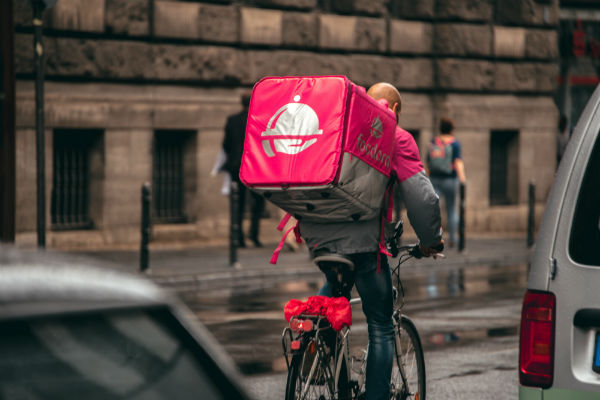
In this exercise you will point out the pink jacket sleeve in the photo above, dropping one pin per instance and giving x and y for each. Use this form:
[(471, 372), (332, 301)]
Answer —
[(419, 197), (406, 161)]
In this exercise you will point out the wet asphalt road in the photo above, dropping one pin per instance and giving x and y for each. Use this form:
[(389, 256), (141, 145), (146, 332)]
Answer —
[(467, 318)]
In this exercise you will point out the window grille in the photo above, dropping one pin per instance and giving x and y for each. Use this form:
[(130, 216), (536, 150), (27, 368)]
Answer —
[(71, 179), (168, 177), (504, 167)]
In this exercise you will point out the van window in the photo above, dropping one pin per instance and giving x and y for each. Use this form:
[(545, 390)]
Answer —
[(584, 244)]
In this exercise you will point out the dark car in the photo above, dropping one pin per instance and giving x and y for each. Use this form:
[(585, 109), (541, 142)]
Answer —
[(74, 331)]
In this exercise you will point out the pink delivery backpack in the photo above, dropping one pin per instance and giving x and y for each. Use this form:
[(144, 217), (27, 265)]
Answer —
[(318, 147)]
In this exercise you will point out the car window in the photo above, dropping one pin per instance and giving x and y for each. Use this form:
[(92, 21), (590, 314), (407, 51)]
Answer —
[(124, 354), (584, 243)]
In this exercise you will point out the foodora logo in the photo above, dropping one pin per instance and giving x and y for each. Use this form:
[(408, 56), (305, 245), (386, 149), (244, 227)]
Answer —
[(373, 151), (370, 145)]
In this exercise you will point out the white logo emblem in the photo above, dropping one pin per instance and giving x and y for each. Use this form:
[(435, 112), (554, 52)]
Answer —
[(376, 128), (293, 119)]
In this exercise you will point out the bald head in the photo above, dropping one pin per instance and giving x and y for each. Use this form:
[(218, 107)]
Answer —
[(384, 90)]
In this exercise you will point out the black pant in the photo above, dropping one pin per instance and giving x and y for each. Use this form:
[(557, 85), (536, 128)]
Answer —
[(257, 207)]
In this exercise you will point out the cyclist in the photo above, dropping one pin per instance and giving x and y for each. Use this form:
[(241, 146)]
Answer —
[(360, 242)]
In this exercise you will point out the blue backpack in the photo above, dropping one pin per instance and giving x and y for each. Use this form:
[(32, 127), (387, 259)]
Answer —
[(440, 157)]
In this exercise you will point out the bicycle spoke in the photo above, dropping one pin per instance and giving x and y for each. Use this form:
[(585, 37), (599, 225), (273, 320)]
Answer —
[(408, 377), (318, 383), (409, 362)]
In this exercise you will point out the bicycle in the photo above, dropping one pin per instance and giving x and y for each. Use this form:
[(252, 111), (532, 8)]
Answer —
[(318, 357)]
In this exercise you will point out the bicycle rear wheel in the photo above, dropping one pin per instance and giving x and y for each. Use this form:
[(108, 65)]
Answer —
[(320, 386), (409, 362)]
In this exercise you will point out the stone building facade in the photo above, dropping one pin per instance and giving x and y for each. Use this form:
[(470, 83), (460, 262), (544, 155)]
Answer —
[(139, 90)]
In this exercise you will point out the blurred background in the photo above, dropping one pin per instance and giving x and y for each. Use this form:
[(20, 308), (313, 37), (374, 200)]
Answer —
[(139, 91)]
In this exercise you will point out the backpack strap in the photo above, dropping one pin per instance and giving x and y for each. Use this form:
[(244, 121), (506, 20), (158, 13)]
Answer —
[(295, 228), (283, 221), (386, 216)]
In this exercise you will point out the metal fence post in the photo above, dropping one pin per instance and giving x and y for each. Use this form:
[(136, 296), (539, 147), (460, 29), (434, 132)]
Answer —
[(531, 215), (38, 51), (234, 232), (146, 228), (461, 219)]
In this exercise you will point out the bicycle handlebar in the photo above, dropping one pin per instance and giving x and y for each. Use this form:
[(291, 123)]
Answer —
[(414, 250)]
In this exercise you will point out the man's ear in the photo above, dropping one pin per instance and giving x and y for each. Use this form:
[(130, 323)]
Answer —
[(396, 109)]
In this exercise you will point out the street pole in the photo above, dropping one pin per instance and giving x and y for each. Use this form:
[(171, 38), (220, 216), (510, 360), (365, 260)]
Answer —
[(531, 215), (38, 49), (234, 226), (461, 219), (7, 124), (145, 228)]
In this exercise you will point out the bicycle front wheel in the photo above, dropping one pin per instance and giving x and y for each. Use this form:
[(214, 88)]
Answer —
[(408, 374)]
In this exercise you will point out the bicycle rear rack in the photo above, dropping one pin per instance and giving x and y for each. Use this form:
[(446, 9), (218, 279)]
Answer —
[(287, 335)]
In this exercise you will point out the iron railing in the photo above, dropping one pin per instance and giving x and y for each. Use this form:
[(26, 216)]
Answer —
[(168, 177), (71, 180)]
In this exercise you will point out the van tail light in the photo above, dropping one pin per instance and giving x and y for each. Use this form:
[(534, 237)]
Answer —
[(536, 356)]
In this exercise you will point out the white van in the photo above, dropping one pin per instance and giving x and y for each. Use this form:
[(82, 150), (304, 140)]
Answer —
[(560, 321)]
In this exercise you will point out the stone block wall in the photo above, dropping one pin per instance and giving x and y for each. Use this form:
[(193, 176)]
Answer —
[(217, 43), (481, 62)]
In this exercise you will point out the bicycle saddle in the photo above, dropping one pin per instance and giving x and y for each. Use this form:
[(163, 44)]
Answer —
[(339, 271), (327, 260)]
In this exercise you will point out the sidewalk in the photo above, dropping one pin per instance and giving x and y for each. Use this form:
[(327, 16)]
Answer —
[(208, 268)]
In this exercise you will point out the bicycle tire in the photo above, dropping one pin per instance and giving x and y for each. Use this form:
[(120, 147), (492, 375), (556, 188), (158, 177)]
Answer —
[(344, 388), (412, 359), (293, 376), (318, 389)]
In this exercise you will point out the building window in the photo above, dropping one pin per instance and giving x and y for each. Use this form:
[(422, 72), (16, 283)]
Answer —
[(169, 177), (504, 167), (70, 198)]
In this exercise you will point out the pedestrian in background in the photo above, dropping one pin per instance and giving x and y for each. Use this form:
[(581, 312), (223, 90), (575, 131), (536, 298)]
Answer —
[(233, 146), (446, 170)]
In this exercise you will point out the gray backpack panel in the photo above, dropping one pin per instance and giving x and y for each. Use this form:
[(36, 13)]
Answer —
[(357, 195)]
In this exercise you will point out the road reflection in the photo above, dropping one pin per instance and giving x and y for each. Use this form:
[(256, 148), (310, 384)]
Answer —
[(446, 338), (249, 321)]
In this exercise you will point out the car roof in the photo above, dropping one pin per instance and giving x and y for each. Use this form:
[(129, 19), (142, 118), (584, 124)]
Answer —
[(43, 282)]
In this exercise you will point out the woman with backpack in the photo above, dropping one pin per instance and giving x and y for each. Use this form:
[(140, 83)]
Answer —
[(446, 169)]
